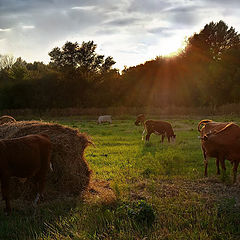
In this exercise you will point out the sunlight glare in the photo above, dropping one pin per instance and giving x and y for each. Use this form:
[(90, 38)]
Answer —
[(171, 47)]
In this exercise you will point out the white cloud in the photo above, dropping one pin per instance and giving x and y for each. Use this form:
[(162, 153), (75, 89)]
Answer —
[(86, 8), (132, 31), (5, 30), (28, 27)]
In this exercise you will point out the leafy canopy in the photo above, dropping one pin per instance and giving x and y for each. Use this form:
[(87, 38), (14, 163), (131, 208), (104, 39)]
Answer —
[(84, 57)]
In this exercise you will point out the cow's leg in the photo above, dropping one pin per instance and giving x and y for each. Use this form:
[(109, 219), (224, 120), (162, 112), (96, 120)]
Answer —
[(39, 180), (36, 199), (147, 137), (205, 162), (143, 134), (222, 162), (163, 135), (206, 166), (5, 193), (217, 165), (36, 181), (235, 167), (42, 186)]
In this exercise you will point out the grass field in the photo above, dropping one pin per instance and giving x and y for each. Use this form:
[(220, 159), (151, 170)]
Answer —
[(160, 189)]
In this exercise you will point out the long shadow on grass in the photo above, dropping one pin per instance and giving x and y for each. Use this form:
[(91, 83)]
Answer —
[(48, 219)]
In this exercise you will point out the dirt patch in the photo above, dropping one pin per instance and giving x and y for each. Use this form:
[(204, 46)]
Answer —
[(208, 188)]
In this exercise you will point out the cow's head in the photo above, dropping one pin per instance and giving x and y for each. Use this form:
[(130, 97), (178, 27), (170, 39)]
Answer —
[(173, 138), (207, 135), (140, 119)]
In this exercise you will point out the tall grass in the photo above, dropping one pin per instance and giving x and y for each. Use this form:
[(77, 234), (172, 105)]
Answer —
[(160, 189)]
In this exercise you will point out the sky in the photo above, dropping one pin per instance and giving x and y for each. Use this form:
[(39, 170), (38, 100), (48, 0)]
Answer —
[(131, 31)]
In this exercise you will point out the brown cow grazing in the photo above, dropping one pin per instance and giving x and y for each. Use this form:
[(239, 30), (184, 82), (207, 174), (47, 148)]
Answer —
[(224, 144), (24, 157), (156, 127), (206, 127)]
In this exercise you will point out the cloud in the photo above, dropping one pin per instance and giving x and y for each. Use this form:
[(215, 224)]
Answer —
[(28, 27), (229, 3), (125, 29), (183, 15), (122, 21), (153, 6), (5, 30), (84, 8), (109, 31)]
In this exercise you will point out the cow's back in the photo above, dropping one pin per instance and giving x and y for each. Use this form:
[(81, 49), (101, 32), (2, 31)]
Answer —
[(159, 126), (211, 127)]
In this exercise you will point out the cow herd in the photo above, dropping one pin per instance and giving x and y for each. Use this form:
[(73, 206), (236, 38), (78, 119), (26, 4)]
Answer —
[(30, 156), (220, 140)]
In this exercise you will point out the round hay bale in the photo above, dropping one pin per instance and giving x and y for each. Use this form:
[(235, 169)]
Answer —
[(71, 174), (6, 119)]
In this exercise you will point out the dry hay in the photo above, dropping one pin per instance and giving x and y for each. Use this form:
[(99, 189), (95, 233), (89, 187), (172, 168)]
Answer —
[(71, 173), (6, 119), (99, 192)]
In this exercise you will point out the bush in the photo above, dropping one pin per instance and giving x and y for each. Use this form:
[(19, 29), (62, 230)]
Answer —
[(140, 212)]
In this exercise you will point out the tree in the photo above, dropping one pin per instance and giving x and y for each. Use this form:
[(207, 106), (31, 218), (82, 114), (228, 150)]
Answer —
[(72, 56), (214, 39), (18, 70), (6, 62)]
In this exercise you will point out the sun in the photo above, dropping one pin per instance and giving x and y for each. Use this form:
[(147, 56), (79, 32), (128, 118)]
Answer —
[(172, 47)]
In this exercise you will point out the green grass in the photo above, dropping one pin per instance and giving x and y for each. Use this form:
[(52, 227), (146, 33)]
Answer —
[(160, 188)]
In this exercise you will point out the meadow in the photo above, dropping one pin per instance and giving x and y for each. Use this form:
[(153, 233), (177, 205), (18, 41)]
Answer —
[(160, 189)]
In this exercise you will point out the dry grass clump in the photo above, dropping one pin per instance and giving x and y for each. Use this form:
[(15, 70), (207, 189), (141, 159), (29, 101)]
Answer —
[(71, 174), (6, 119), (99, 192)]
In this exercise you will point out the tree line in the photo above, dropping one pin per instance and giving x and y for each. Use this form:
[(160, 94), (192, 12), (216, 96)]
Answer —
[(205, 73)]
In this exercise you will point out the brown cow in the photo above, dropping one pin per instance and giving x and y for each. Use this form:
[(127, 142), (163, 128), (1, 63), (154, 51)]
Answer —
[(24, 157), (206, 127), (157, 127), (225, 144)]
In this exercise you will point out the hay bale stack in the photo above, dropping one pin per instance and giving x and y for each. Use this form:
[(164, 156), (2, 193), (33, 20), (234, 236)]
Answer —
[(6, 119), (71, 173)]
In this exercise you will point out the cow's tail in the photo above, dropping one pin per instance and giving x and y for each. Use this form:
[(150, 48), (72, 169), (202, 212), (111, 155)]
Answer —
[(51, 166), (203, 122)]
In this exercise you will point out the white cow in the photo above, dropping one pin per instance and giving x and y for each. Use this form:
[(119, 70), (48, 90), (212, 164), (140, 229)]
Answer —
[(104, 118)]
